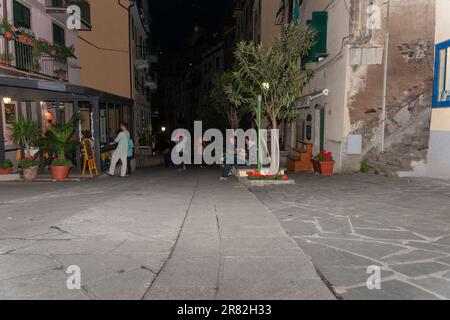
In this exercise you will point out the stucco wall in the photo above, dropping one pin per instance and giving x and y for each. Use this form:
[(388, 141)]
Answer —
[(409, 85), (105, 62), (437, 163)]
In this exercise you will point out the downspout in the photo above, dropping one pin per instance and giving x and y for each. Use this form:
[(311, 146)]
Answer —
[(385, 78)]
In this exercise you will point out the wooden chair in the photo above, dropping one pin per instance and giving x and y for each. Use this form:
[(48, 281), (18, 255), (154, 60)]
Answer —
[(300, 159)]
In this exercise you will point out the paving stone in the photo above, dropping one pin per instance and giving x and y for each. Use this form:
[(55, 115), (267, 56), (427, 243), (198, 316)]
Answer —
[(44, 285), (189, 272), (198, 244), (13, 265), (388, 234), (411, 256), (390, 290), (437, 285), (263, 246), (267, 267), (182, 293), (130, 285), (273, 289), (420, 269), (96, 267)]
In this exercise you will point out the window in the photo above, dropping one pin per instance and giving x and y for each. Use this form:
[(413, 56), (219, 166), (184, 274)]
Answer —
[(22, 15), (441, 95), (59, 36), (319, 23)]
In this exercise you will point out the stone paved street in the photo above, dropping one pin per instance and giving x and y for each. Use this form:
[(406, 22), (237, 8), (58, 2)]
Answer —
[(347, 223), (160, 234)]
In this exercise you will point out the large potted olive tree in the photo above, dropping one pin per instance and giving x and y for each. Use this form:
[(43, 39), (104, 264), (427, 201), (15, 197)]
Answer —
[(26, 133), (60, 141)]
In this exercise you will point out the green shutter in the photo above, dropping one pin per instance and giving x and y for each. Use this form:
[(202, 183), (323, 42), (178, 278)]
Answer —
[(319, 23), (58, 35), (320, 20), (22, 15)]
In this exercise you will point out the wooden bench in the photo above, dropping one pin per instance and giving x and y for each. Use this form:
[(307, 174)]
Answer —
[(300, 159)]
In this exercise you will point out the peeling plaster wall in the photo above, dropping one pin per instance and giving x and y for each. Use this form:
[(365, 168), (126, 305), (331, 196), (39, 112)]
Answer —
[(409, 86)]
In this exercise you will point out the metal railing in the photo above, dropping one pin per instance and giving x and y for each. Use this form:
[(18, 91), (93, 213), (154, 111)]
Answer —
[(84, 6), (24, 60)]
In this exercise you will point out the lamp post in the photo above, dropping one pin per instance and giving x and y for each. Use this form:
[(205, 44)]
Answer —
[(266, 87), (259, 134)]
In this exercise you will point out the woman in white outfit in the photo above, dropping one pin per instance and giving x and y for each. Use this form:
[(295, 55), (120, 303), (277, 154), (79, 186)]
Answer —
[(121, 151)]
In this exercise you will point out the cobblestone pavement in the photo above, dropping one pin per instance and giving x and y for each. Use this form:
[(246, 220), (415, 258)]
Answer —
[(160, 234), (347, 223)]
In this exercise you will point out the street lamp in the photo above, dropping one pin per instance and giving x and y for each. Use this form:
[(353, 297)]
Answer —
[(163, 129)]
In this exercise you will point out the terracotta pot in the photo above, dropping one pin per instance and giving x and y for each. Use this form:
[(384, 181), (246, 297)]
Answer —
[(60, 173), (316, 166), (8, 35), (6, 171), (326, 168), (22, 38), (30, 174), (6, 62)]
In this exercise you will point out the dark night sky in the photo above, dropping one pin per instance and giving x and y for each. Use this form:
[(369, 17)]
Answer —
[(173, 20)]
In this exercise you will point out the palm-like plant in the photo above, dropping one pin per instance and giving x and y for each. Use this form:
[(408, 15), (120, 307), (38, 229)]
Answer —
[(58, 139), (25, 132)]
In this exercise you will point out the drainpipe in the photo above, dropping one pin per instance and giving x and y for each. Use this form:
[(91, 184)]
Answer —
[(385, 78)]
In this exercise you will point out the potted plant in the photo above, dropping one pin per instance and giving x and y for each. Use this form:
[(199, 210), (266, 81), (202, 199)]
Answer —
[(6, 167), (58, 141), (26, 132), (6, 59), (60, 73), (7, 30), (323, 163), (30, 168)]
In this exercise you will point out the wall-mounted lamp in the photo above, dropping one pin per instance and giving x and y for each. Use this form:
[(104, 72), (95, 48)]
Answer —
[(6, 100)]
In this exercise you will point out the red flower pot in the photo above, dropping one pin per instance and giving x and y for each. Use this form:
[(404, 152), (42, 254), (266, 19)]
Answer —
[(326, 168), (5, 62), (6, 171), (8, 35), (22, 38), (60, 173)]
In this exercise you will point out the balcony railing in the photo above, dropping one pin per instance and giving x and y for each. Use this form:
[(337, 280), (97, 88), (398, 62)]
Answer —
[(57, 8), (24, 60)]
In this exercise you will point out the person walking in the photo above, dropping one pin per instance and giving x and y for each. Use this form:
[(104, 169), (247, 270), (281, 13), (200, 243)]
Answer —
[(121, 152)]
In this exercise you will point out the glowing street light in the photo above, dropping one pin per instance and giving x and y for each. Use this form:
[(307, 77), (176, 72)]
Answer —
[(6, 100)]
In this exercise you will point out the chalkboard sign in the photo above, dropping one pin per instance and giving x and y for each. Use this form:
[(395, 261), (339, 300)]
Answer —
[(89, 158), (88, 149)]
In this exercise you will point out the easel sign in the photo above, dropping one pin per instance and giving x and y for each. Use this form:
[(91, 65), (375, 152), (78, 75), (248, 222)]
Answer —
[(89, 158)]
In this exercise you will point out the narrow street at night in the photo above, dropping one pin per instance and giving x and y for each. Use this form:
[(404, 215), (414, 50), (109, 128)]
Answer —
[(164, 234)]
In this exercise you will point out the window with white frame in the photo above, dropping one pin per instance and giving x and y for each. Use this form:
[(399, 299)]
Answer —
[(441, 96)]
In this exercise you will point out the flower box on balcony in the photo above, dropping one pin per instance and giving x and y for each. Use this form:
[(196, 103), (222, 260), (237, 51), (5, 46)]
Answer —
[(6, 59)]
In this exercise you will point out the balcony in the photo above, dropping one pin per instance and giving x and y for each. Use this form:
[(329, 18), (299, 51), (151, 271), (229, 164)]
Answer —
[(45, 65), (58, 10)]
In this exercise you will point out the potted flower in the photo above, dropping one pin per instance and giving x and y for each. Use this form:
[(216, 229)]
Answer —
[(6, 29), (58, 141), (6, 59), (30, 168), (323, 163), (6, 167)]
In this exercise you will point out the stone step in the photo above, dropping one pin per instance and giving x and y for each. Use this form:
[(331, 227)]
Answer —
[(10, 177)]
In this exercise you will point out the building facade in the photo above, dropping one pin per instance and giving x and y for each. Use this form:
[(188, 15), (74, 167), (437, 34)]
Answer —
[(58, 60), (375, 60), (436, 163)]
